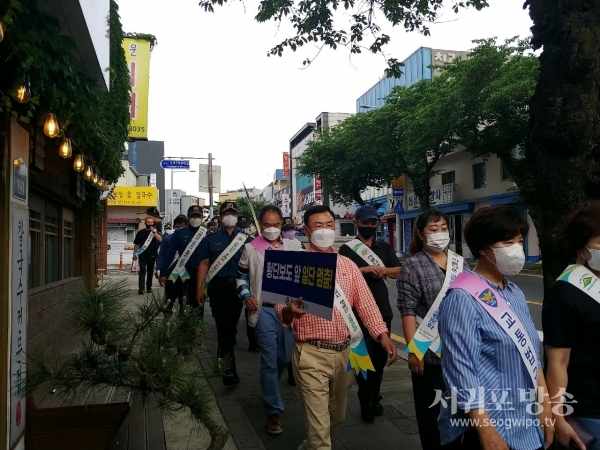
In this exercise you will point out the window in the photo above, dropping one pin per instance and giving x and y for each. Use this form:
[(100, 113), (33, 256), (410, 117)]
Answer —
[(347, 229), (68, 249), (448, 177), (505, 172), (35, 244), (51, 248), (479, 175)]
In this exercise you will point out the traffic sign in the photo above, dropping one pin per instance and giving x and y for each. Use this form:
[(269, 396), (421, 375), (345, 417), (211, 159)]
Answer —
[(398, 192), (398, 209), (175, 164)]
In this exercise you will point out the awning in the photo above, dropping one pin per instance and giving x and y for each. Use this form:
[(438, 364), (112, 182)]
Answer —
[(451, 208), (387, 217), (123, 220)]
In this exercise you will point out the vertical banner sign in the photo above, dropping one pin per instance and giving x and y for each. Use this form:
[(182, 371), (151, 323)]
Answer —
[(286, 164), (285, 205), (318, 190), (20, 239), (137, 54)]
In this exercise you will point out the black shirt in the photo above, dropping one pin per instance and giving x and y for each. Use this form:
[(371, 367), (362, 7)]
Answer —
[(140, 239), (571, 319), (378, 286)]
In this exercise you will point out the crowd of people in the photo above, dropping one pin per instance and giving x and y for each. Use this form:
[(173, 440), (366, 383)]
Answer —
[(475, 355)]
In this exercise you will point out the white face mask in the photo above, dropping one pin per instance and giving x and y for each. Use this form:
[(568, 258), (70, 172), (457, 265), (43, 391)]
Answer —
[(323, 238), (170, 231), (271, 233), (437, 242), (509, 260), (594, 261), (289, 234), (195, 222), (229, 221)]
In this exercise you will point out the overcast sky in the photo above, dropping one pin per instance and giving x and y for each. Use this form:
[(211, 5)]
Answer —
[(213, 88)]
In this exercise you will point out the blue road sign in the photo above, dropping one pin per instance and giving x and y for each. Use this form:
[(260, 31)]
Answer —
[(398, 192), (175, 164), (398, 209)]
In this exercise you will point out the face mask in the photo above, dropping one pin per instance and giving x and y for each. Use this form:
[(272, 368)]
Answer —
[(170, 231), (437, 242), (509, 260), (323, 238), (195, 222), (367, 232), (271, 233), (594, 261), (229, 221), (148, 227), (289, 234)]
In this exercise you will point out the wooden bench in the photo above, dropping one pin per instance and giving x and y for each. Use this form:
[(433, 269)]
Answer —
[(97, 420)]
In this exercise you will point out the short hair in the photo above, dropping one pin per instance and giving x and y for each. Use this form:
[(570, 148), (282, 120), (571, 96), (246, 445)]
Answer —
[(317, 210), (269, 208), (580, 226), (493, 224), (180, 219), (424, 219)]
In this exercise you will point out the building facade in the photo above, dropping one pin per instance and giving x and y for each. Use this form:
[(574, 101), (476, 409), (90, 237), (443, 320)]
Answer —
[(145, 158)]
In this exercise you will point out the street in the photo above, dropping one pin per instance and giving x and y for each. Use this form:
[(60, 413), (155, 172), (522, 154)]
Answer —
[(532, 287)]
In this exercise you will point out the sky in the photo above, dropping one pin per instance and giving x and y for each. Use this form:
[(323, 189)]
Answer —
[(214, 89)]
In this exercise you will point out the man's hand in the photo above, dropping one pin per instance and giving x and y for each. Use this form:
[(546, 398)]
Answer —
[(134, 257), (490, 439), (565, 435), (390, 348), (162, 281), (292, 311), (199, 296), (415, 365), (373, 271), (251, 304)]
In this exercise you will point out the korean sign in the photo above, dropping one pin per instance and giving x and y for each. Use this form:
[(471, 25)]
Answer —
[(286, 164), (134, 196), (19, 275), (137, 55), (289, 275), (439, 195)]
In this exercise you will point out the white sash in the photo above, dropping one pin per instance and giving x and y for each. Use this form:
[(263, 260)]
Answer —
[(232, 249), (143, 248), (363, 250), (359, 359), (584, 279), (427, 335), (179, 270)]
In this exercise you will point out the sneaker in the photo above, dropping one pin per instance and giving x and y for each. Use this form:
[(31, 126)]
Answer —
[(366, 412), (378, 409), (274, 424), (140, 292)]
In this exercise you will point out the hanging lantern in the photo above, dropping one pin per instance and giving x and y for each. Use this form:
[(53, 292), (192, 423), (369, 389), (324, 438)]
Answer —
[(1, 31), (22, 93), (65, 150), (78, 164), (89, 173), (95, 179), (51, 128)]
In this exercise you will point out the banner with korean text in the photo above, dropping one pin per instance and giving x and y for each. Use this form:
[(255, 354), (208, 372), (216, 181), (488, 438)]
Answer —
[(133, 196), (137, 54), (289, 275), (286, 164)]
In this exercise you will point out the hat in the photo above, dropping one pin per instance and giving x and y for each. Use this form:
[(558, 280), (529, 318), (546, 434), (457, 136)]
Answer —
[(228, 205), (366, 213), (288, 224), (168, 226), (195, 210), (154, 214)]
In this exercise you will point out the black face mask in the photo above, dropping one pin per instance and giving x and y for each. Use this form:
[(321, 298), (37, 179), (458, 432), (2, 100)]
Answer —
[(148, 227), (367, 232)]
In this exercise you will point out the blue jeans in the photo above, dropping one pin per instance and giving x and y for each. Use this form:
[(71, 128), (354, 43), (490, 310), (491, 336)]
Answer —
[(275, 344), (593, 427)]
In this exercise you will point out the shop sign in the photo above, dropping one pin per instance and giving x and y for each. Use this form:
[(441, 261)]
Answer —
[(134, 196), (439, 195)]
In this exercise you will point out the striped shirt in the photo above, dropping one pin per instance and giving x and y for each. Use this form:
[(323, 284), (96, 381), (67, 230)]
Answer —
[(352, 282), (483, 368)]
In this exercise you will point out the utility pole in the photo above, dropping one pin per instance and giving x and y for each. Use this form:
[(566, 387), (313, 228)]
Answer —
[(210, 185)]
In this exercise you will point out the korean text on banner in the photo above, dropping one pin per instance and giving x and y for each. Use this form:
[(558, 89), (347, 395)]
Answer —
[(289, 275), (286, 164), (134, 196), (137, 54)]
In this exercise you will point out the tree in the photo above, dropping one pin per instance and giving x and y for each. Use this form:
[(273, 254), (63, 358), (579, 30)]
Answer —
[(133, 350), (564, 113)]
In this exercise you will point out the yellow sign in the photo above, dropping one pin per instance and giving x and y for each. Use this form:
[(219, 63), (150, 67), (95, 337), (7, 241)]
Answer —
[(398, 183), (137, 54), (133, 196)]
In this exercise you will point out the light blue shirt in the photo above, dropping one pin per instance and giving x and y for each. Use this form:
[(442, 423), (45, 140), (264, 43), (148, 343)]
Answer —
[(482, 366)]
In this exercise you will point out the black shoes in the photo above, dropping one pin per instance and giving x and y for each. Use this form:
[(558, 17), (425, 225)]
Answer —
[(140, 292), (149, 290), (366, 412), (231, 380), (378, 409)]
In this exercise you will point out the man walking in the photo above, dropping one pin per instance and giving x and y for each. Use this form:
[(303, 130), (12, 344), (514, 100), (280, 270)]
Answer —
[(145, 249), (321, 347), (185, 242), (219, 256), (274, 340), (173, 290), (376, 260)]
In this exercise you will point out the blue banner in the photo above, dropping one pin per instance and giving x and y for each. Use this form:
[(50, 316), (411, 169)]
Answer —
[(289, 275)]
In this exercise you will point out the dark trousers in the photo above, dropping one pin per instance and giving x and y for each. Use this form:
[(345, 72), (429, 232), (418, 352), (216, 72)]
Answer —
[(174, 292), (146, 272), (252, 342), (226, 309), (424, 387), (185, 291), (368, 390)]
